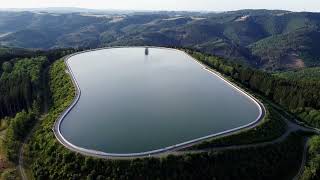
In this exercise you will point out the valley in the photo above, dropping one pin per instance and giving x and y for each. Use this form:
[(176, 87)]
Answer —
[(259, 38)]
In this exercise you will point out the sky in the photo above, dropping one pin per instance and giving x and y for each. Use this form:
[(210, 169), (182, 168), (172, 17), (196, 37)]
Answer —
[(188, 5)]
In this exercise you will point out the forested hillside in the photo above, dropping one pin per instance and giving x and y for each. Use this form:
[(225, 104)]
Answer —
[(24, 96), (20, 85), (7, 54), (295, 49), (271, 40), (305, 74), (312, 171), (18, 128), (22, 78)]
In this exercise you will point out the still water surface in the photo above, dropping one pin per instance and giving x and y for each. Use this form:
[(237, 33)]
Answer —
[(133, 103)]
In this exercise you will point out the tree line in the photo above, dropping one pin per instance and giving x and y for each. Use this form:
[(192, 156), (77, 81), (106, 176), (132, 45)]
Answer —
[(22, 78), (312, 168), (18, 128), (23, 90), (20, 85)]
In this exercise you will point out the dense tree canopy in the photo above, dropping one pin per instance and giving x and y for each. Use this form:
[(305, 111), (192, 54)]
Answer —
[(22, 77), (20, 85), (305, 74), (19, 126), (312, 171)]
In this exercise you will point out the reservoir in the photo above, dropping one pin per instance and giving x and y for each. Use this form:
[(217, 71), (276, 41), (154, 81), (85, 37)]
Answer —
[(133, 102)]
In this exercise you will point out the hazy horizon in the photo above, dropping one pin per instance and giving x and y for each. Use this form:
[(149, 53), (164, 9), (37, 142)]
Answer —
[(167, 5)]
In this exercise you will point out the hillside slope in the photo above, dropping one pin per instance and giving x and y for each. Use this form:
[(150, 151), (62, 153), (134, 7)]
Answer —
[(306, 74), (271, 40), (295, 49)]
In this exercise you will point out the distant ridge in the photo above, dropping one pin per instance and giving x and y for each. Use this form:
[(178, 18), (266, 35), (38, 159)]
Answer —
[(266, 39), (67, 10)]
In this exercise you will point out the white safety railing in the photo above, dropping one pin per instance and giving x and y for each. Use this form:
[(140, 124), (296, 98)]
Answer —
[(90, 152)]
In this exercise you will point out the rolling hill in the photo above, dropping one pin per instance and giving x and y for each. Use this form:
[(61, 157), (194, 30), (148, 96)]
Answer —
[(295, 49), (306, 74), (270, 40)]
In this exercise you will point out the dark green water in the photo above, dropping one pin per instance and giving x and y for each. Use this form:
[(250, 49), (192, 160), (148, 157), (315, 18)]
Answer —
[(135, 103)]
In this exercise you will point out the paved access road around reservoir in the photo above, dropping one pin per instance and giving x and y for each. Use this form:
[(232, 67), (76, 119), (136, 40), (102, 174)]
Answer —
[(89, 152)]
